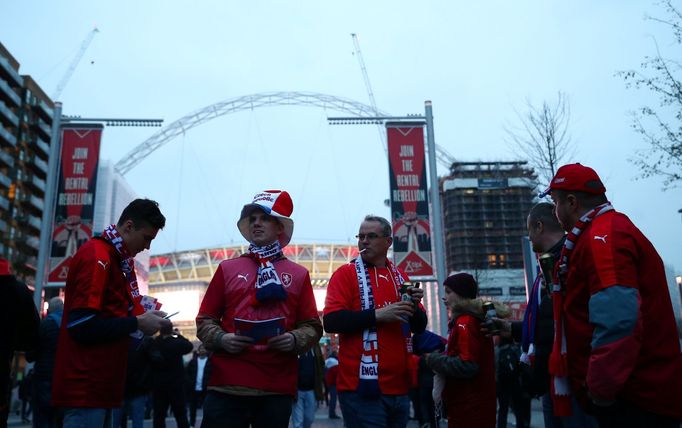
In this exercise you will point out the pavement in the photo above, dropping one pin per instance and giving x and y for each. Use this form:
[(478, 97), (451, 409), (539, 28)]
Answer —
[(322, 419)]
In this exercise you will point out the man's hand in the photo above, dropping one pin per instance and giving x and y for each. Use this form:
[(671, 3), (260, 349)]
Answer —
[(151, 321), (416, 293), (394, 312), (284, 342), (503, 328), (234, 344)]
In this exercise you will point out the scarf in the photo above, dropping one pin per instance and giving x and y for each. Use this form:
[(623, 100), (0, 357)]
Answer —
[(558, 364), (529, 322), (140, 304), (269, 287), (368, 386)]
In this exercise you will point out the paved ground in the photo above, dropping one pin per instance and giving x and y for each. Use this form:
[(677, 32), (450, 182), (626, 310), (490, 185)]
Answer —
[(322, 420)]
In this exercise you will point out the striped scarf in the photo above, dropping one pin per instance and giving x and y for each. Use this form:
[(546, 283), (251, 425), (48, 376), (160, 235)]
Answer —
[(268, 284), (368, 386), (529, 322), (141, 304), (558, 364)]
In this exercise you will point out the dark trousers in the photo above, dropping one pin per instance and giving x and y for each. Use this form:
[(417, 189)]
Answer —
[(332, 401), (510, 393), (196, 400), (44, 415), (223, 410), (627, 415), (173, 395)]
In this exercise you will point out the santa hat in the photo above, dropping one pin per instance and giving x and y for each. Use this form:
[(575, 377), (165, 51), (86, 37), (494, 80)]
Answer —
[(276, 203)]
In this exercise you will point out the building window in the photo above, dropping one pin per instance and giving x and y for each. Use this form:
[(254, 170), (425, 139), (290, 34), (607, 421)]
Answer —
[(488, 224), (492, 260)]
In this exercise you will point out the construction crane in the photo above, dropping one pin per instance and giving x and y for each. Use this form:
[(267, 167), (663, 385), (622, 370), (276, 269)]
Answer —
[(74, 63), (368, 86), (445, 158)]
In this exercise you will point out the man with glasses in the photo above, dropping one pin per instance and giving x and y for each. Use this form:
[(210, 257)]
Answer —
[(364, 305)]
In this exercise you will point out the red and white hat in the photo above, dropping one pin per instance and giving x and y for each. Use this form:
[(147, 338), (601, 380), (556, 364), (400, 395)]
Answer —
[(575, 177), (276, 203)]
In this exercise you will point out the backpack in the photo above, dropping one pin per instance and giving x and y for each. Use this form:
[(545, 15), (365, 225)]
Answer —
[(508, 361)]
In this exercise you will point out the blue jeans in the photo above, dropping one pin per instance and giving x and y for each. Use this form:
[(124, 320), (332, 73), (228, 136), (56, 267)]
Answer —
[(579, 419), (133, 408), (78, 417), (225, 410), (303, 410), (390, 411)]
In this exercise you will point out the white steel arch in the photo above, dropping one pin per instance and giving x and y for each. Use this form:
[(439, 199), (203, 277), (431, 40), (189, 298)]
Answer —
[(250, 102)]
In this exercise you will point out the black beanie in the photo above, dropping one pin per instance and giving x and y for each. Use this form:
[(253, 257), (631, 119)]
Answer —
[(462, 284)]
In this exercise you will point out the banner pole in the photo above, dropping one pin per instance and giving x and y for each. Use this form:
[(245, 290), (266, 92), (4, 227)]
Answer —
[(437, 226), (48, 209)]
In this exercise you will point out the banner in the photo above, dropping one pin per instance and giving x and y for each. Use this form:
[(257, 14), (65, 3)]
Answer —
[(75, 206), (409, 199)]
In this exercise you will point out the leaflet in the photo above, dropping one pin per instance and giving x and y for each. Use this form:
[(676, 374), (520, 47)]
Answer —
[(260, 330)]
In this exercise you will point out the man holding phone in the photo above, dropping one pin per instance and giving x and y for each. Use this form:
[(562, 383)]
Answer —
[(102, 308)]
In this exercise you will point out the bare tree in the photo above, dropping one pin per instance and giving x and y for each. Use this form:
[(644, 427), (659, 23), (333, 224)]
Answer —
[(660, 128), (542, 136)]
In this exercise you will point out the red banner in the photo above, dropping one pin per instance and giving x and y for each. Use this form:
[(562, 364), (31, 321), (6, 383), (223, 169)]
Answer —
[(409, 199), (75, 207)]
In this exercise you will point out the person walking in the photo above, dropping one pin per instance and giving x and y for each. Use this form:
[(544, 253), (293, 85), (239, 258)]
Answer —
[(616, 344), (44, 414), (168, 380), (310, 388), (102, 308), (366, 307), (257, 315), (198, 372), (331, 365)]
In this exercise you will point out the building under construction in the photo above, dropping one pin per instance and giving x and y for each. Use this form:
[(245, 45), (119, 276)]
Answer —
[(485, 205)]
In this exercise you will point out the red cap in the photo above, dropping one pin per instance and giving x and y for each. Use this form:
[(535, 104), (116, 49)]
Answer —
[(576, 177), (4, 267)]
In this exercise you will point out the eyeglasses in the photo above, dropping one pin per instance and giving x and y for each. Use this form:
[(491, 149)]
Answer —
[(370, 236)]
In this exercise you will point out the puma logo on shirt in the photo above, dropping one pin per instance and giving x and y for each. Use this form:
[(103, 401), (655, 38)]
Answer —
[(601, 238), (244, 277)]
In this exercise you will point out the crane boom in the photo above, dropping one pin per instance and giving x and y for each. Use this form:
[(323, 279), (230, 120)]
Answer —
[(74, 63), (445, 158)]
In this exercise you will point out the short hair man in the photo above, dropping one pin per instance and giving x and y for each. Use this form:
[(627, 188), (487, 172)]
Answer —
[(364, 305), (102, 308), (253, 384), (621, 353), (536, 331)]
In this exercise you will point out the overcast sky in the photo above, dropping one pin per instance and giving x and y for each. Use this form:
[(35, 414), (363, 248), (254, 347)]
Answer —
[(477, 61)]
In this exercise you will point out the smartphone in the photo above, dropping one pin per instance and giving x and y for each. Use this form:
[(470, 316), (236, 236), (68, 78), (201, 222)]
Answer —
[(170, 315)]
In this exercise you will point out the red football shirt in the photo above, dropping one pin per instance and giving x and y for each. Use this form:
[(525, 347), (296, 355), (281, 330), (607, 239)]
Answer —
[(343, 293), (645, 367), (92, 375)]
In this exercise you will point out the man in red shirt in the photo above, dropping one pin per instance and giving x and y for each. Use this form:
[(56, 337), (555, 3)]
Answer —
[(254, 376), (364, 305), (102, 309), (621, 355)]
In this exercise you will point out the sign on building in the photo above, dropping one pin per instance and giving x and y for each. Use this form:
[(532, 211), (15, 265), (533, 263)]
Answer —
[(409, 199), (75, 202)]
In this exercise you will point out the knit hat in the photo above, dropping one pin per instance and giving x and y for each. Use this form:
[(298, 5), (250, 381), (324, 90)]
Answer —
[(462, 284), (276, 203), (576, 177)]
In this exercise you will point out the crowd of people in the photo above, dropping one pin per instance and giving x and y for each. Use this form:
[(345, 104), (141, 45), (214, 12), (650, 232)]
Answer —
[(598, 343)]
